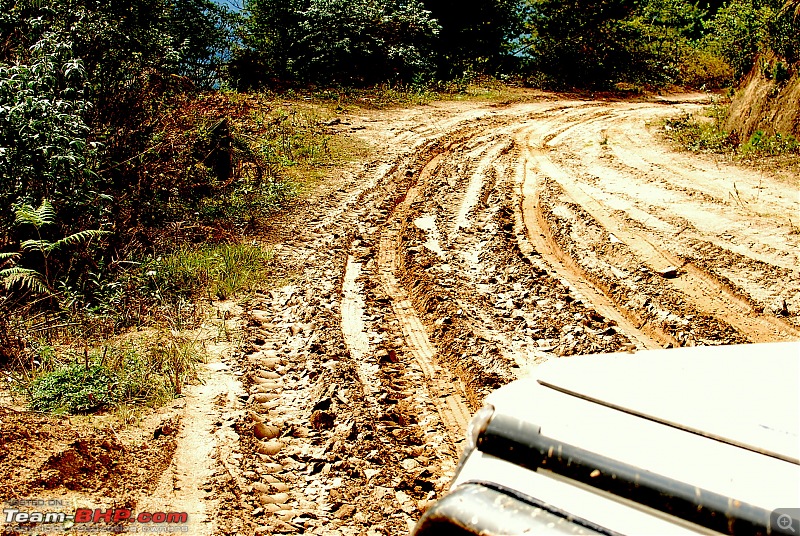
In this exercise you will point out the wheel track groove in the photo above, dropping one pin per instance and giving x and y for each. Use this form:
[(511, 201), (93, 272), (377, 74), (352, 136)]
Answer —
[(699, 287), (450, 403)]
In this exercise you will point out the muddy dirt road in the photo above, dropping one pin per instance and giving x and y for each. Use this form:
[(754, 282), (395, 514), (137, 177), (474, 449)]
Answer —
[(483, 239)]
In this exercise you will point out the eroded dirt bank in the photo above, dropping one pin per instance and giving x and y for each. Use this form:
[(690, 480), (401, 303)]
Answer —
[(482, 240)]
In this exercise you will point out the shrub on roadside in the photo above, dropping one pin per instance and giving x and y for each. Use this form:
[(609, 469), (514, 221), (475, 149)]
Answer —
[(761, 144), (701, 68), (75, 389), (707, 135), (144, 371), (696, 135)]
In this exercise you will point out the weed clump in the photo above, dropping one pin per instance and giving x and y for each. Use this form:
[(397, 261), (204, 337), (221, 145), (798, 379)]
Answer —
[(761, 144), (147, 370), (705, 134), (75, 389), (701, 134)]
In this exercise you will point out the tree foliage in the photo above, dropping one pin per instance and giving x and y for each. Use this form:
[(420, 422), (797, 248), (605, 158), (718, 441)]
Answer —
[(477, 35), (334, 41), (738, 32), (744, 28), (43, 134), (82, 85), (77, 72), (784, 31), (364, 41), (268, 35), (581, 43), (597, 43)]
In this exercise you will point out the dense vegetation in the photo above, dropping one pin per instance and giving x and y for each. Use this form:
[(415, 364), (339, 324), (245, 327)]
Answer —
[(132, 160)]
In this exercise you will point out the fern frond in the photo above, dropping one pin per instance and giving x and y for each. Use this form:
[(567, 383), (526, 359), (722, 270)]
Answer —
[(27, 280), (46, 212), (26, 214), (38, 217), (77, 238), (36, 245), (9, 256)]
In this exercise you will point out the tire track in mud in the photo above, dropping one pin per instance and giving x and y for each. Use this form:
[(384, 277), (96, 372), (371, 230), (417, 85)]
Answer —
[(353, 328), (700, 288), (542, 240), (421, 282), (448, 397), (456, 237), (724, 249), (360, 447), (443, 383)]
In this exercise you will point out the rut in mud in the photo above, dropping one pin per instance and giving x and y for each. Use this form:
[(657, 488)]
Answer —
[(482, 241), (487, 240)]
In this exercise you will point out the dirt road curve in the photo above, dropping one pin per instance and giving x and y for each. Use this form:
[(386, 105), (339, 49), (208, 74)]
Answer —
[(482, 240)]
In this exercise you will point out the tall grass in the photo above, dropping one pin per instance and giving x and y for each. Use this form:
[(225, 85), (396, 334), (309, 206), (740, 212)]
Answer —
[(148, 366), (218, 271), (146, 370)]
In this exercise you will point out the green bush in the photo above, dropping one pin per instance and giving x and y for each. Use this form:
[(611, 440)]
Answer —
[(707, 135), (147, 372), (250, 201), (700, 67), (700, 136), (761, 144), (780, 73), (75, 389)]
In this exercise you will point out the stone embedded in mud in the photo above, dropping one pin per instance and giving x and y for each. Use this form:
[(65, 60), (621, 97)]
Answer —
[(322, 420), (280, 486), (671, 272), (271, 363), (261, 398), (267, 386), (270, 448), (271, 467), (345, 511), (409, 464), (267, 363), (266, 407), (269, 507), (275, 498), (265, 431), (261, 487), (260, 378)]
